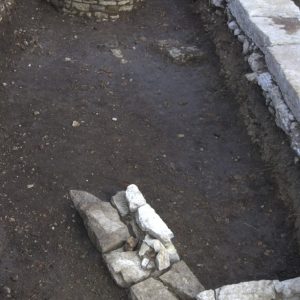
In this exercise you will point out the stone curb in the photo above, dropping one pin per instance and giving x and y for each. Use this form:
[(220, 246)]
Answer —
[(270, 30)]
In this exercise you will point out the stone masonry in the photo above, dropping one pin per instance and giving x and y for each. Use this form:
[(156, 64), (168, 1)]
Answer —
[(137, 248), (100, 9)]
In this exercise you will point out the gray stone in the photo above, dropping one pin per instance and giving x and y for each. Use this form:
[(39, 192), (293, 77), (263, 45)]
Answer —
[(206, 295), (134, 198), (149, 221), (173, 255), (181, 279), (162, 259), (289, 289), (180, 54), (218, 3), (268, 22), (256, 62), (284, 64), (253, 290), (119, 201), (125, 267), (101, 220), (151, 289)]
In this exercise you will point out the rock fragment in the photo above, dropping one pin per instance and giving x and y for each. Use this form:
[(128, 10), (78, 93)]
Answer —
[(151, 289), (120, 203), (125, 267), (101, 220), (162, 259), (206, 295), (131, 244), (149, 221), (181, 279), (134, 197)]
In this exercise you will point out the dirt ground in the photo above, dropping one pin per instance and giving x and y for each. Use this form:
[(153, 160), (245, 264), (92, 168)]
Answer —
[(178, 135)]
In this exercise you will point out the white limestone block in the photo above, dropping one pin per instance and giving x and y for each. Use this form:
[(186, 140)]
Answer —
[(149, 221)]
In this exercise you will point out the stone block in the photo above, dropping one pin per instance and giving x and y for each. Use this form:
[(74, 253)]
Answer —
[(149, 221), (253, 290), (206, 295), (181, 279), (125, 267), (289, 289), (133, 195), (101, 220), (151, 289)]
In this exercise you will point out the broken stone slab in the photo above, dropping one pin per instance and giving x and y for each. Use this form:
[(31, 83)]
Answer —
[(261, 290), (102, 221), (151, 289), (125, 267), (134, 198), (181, 279), (206, 295), (180, 53), (149, 221), (120, 203), (289, 289)]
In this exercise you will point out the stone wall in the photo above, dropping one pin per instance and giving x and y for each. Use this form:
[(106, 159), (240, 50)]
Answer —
[(269, 32), (101, 9)]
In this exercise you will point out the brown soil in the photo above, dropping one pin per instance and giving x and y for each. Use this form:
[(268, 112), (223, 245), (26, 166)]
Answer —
[(212, 187)]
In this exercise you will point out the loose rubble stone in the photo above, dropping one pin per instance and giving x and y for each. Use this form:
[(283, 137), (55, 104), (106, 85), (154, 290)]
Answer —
[(261, 290), (131, 244), (101, 220), (173, 255), (181, 279), (120, 203), (256, 62), (218, 3), (151, 289), (134, 197), (150, 221), (180, 53), (162, 259), (206, 295), (125, 267)]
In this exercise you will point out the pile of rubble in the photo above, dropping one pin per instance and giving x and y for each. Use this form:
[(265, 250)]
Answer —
[(100, 9), (136, 245)]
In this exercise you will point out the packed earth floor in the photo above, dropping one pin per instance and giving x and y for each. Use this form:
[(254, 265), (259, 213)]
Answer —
[(174, 130)]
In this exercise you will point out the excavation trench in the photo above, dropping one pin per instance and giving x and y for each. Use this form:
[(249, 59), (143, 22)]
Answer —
[(174, 130)]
